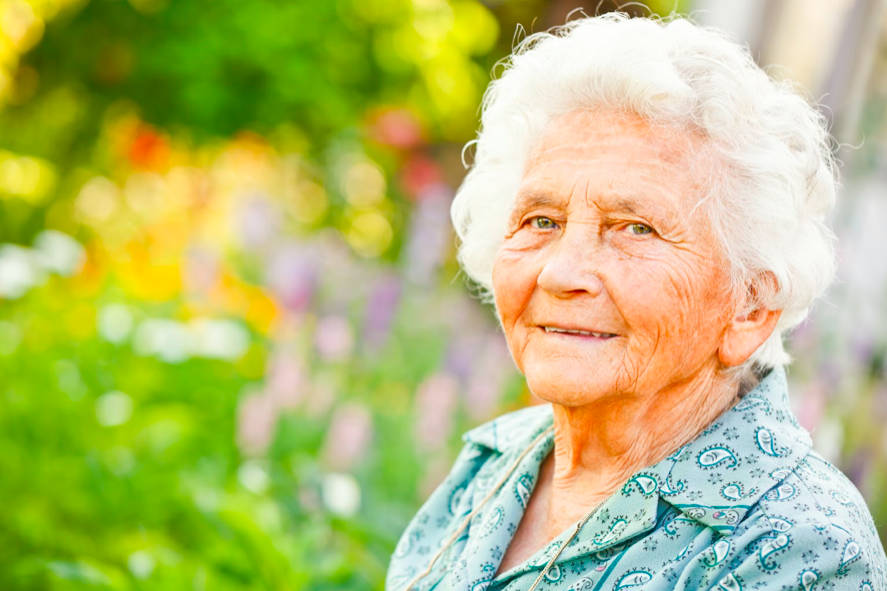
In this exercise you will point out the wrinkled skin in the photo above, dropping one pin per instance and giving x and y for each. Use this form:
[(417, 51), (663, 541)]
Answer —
[(603, 237)]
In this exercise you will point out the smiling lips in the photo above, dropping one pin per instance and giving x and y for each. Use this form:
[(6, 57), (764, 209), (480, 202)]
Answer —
[(576, 332)]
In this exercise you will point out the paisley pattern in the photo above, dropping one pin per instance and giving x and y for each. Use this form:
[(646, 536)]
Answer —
[(633, 579), (747, 505), (710, 458), (809, 578), (764, 439), (717, 552), (523, 489), (770, 547), (730, 583), (646, 484), (733, 491)]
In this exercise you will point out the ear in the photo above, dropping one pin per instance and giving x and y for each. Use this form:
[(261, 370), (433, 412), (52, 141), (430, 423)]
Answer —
[(749, 329)]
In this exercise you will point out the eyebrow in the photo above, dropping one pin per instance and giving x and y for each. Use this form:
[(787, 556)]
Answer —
[(625, 203), (528, 199)]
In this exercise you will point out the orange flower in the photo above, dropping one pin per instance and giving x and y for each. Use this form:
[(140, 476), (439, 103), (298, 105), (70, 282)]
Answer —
[(149, 150)]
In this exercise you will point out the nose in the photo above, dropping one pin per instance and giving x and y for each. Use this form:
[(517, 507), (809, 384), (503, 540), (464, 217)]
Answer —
[(571, 266)]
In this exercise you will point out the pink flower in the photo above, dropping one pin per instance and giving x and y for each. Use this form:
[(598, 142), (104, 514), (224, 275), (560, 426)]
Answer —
[(334, 338), (436, 470), (398, 128), (200, 273), (811, 404), (418, 173), (349, 436), (436, 403), (256, 422), (492, 368), (258, 220), (321, 396), (287, 382)]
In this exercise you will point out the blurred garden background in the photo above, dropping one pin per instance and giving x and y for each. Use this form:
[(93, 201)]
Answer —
[(235, 349)]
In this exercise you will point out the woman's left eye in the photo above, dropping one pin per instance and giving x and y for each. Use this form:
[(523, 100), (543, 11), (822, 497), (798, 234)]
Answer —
[(541, 222), (639, 229)]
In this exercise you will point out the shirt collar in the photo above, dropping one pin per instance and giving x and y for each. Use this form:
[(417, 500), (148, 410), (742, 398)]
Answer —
[(512, 430), (743, 455), (715, 478)]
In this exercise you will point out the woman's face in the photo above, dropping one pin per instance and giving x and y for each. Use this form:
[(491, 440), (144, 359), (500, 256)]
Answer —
[(603, 239)]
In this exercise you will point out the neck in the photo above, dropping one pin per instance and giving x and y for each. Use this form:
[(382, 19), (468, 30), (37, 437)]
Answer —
[(598, 446)]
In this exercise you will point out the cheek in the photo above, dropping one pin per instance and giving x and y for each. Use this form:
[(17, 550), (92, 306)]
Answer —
[(667, 298), (514, 281)]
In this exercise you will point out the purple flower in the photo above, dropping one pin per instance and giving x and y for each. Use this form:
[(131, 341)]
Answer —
[(380, 309), (428, 234), (258, 220), (344, 278), (860, 469), (292, 276)]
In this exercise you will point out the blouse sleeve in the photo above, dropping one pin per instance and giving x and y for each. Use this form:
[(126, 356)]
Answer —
[(429, 528), (805, 557)]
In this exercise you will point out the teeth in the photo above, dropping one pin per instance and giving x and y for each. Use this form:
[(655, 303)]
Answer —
[(582, 332)]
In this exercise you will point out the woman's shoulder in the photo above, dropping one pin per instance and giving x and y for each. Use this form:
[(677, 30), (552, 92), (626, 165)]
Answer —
[(484, 457), (817, 518)]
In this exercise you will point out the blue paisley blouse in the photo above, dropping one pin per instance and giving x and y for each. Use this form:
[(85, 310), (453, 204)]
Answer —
[(746, 505)]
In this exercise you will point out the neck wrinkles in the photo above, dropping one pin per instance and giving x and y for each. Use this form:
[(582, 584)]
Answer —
[(600, 445)]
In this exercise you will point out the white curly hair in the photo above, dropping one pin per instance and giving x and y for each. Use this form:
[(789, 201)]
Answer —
[(767, 203)]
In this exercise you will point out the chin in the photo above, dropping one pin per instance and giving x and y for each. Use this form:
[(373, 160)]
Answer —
[(566, 390)]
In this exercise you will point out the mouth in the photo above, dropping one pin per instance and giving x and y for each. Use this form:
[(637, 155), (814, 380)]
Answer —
[(573, 332)]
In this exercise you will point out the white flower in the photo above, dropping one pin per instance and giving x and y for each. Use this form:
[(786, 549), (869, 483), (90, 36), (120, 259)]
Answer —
[(253, 476), (113, 409), (167, 340), (59, 253), (115, 323), (141, 564), (341, 494), (218, 339), (19, 271)]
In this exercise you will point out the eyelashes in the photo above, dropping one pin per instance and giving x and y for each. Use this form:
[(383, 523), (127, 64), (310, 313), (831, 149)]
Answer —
[(639, 229), (541, 222)]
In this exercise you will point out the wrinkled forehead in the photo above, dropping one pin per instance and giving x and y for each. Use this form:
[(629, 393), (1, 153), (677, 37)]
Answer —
[(625, 155), (597, 131)]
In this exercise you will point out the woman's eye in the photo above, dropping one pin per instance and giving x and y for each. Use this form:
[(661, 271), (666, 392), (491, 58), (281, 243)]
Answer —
[(542, 222), (639, 229)]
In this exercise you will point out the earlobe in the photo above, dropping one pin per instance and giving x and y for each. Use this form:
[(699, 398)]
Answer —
[(745, 334)]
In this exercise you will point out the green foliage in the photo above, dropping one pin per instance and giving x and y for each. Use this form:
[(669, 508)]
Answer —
[(158, 496)]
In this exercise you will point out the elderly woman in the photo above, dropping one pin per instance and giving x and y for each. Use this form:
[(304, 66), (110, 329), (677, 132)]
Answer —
[(647, 211)]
